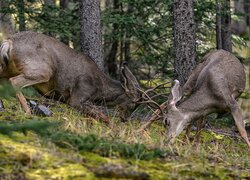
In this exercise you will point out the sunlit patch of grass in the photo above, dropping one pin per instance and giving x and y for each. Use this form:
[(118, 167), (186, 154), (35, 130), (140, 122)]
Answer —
[(37, 162)]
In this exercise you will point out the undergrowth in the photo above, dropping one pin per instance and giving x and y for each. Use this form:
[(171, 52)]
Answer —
[(89, 142), (71, 146)]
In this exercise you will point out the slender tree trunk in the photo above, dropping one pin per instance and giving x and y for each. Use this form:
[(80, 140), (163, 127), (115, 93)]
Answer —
[(184, 39), (63, 6), (91, 35), (226, 26), (112, 60), (111, 44), (121, 37), (247, 11), (127, 52), (218, 26), (223, 25), (239, 26), (6, 24), (21, 15), (121, 52)]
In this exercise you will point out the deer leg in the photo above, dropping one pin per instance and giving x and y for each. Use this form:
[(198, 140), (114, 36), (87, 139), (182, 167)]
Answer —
[(188, 131), (200, 123), (20, 82), (238, 118)]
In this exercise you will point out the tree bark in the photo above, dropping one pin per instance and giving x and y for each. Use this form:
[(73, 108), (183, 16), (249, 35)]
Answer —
[(91, 35), (21, 15), (218, 26), (239, 26), (247, 11), (6, 24), (223, 25), (127, 52), (226, 26), (111, 44), (63, 6), (184, 39)]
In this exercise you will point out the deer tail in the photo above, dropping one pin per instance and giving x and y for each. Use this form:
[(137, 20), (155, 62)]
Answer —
[(5, 50)]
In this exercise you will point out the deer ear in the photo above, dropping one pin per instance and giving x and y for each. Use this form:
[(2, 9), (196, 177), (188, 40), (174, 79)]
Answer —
[(129, 82), (176, 92)]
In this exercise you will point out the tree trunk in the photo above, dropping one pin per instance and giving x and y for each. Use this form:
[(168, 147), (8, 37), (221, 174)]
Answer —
[(21, 15), (239, 26), (111, 44), (218, 26), (6, 24), (91, 35), (247, 11), (112, 59), (63, 6), (184, 39), (226, 26), (127, 52), (121, 37)]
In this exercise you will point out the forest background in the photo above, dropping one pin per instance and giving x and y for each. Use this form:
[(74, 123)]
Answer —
[(142, 33)]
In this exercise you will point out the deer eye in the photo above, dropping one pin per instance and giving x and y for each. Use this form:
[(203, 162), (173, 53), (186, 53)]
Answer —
[(166, 122)]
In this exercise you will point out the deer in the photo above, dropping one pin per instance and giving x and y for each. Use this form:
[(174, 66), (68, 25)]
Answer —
[(212, 87), (56, 70)]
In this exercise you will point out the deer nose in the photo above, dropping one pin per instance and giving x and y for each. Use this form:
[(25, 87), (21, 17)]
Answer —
[(170, 139)]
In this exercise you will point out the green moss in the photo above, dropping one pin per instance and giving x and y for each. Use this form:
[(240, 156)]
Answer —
[(37, 162), (79, 147), (64, 171)]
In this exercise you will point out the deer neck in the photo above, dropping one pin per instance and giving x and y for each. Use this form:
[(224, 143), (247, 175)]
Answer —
[(196, 106)]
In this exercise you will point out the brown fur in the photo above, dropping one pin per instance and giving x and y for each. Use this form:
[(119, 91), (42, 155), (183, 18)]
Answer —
[(56, 70), (212, 87)]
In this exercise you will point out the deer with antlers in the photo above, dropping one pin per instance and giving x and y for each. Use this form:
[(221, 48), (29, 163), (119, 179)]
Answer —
[(212, 87), (55, 70)]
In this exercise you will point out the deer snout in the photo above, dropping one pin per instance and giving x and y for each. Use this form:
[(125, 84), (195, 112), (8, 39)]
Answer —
[(170, 138), (174, 129)]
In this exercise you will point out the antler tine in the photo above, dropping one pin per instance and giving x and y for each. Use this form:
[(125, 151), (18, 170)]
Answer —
[(156, 87), (161, 94), (148, 100), (153, 118)]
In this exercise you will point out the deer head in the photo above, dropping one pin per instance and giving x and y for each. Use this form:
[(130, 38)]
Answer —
[(132, 93), (175, 119)]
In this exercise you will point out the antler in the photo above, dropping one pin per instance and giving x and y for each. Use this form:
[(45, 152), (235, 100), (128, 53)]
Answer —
[(155, 117), (146, 99)]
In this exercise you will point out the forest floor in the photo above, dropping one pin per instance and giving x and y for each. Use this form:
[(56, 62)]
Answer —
[(70, 146)]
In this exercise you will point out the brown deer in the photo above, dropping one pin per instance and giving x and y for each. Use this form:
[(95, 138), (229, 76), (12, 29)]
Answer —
[(55, 70), (212, 87)]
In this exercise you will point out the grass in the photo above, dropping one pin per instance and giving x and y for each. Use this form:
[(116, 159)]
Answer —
[(71, 146)]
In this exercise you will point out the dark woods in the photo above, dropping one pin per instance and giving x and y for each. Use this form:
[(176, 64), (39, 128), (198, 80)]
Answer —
[(139, 32)]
